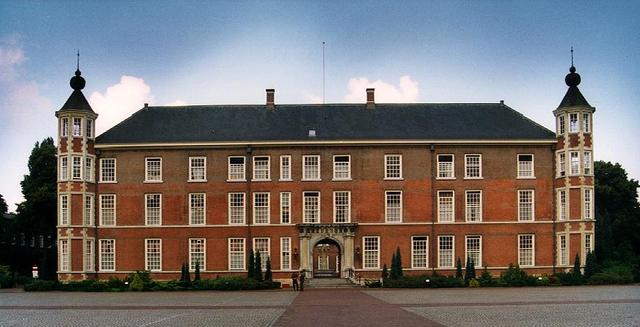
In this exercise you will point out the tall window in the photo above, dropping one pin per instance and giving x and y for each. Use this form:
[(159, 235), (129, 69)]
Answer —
[(285, 207), (474, 205), (108, 170), (525, 205), (107, 255), (311, 207), (261, 208), (197, 250), (285, 253), (236, 169), (64, 127), (562, 164), (573, 123), (445, 251), (153, 254), (77, 127), (341, 206), (197, 211), (197, 169), (261, 245), (236, 209), (472, 166), (586, 123), (561, 124), (419, 254), (526, 250), (446, 206), (64, 168), (261, 171), (153, 209), (64, 210), (575, 162), (563, 252), (65, 257), (371, 252), (88, 210), (588, 203), (446, 166), (393, 208), (285, 168), (473, 245), (89, 128), (341, 167), (88, 261), (525, 166), (393, 166), (562, 205), (311, 167), (236, 254), (88, 169), (153, 169), (76, 167), (588, 244), (107, 209), (587, 162)]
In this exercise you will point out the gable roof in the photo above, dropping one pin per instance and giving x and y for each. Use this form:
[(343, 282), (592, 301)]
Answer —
[(332, 122)]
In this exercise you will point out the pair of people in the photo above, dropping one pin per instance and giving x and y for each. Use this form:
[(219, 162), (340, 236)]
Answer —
[(297, 279)]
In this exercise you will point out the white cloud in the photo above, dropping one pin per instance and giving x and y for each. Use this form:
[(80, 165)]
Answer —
[(310, 98), (177, 103), (407, 90), (119, 101)]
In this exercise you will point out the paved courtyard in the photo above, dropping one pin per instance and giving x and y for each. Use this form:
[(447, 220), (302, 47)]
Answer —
[(549, 306)]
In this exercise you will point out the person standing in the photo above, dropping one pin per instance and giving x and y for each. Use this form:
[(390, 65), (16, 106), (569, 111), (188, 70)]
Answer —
[(302, 280), (294, 280)]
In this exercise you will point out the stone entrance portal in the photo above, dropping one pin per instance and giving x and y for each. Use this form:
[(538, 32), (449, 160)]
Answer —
[(327, 250), (326, 258)]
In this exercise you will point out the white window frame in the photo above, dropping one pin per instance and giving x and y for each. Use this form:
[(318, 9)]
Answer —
[(533, 250), (146, 209), (587, 246), (467, 238), (562, 164), (147, 254), (263, 256), (453, 206), (587, 166), (587, 204), (267, 210), (335, 207), (102, 170), (338, 165), (563, 249), (88, 261), (285, 253), (520, 171), (521, 205), (574, 125), (192, 208), (65, 254), (64, 127), (574, 163), (561, 124), (285, 168), (441, 255), (78, 132), (147, 176), (563, 206), (192, 169), (305, 219), (586, 122), (88, 168), (230, 208), (192, 263), (441, 165), (65, 210), (388, 166), (103, 253), (101, 210), (387, 208), (89, 128), (257, 170), (235, 253), (423, 239), (231, 173), (468, 166), (88, 210), (285, 207), (467, 207), (64, 168), (79, 166), (306, 168), (370, 251)]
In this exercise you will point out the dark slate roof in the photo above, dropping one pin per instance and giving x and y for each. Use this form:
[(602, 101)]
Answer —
[(77, 101), (224, 123), (573, 98)]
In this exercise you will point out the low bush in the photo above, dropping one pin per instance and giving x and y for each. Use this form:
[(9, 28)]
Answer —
[(38, 285), (474, 283), (570, 278), (372, 283), (425, 281), (514, 276), (6, 278), (486, 279), (604, 278)]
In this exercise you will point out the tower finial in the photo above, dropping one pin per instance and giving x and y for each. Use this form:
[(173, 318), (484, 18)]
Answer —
[(78, 60), (571, 56)]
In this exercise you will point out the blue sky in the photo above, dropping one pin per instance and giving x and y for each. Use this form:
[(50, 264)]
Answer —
[(166, 52)]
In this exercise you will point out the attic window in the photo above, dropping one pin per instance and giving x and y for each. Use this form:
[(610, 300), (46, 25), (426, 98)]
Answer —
[(312, 133)]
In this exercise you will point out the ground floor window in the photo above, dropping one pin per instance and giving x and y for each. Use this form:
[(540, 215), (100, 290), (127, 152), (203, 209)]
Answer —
[(285, 253), (236, 253), (526, 250), (371, 255), (197, 253), (563, 251), (65, 257), (107, 255), (419, 248), (88, 261), (473, 245), (445, 251), (153, 254), (261, 245)]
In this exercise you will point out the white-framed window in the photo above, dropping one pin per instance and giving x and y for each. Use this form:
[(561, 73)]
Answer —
[(393, 206), (563, 213), (285, 168), (562, 164), (561, 125), (472, 166), (237, 212), (153, 254), (107, 255), (586, 123), (197, 253), (473, 249), (89, 129), (311, 168), (262, 246), (587, 196), (236, 253), (153, 209), (64, 209), (586, 164), (393, 166), (108, 170), (341, 206), (342, 167), (64, 127), (446, 206), (88, 169), (236, 170), (526, 250), (261, 171), (285, 207), (197, 208), (371, 252), (573, 123), (285, 253), (588, 244), (76, 168), (153, 170), (446, 166), (64, 168), (88, 261), (311, 207), (446, 251), (563, 250), (419, 251), (197, 169), (77, 127), (88, 210), (575, 162), (261, 208), (473, 205), (65, 255), (525, 166), (526, 209), (107, 209)]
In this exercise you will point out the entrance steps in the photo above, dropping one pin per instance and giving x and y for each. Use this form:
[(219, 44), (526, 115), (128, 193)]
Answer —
[(328, 283)]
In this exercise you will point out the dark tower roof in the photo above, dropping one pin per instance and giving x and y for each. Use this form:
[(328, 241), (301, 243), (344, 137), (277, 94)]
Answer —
[(573, 97), (76, 100)]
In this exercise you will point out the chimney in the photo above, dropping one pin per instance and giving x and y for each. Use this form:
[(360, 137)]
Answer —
[(371, 103), (270, 98)]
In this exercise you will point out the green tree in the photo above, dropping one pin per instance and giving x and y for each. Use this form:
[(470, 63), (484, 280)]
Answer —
[(252, 261), (3, 205), (196, 274), (590, 265), (268, 275), (459, 268), (399, 272), (576, 266), (385, 272), (469, 271), (257, 273)]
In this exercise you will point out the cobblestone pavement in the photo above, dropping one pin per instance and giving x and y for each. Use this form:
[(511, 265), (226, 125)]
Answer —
[(548, 306)]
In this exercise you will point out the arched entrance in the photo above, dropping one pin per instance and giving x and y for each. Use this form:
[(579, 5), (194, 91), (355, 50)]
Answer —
[(326, 258)]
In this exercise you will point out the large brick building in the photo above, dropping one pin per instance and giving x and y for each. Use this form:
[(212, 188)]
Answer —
[(332, 189)]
